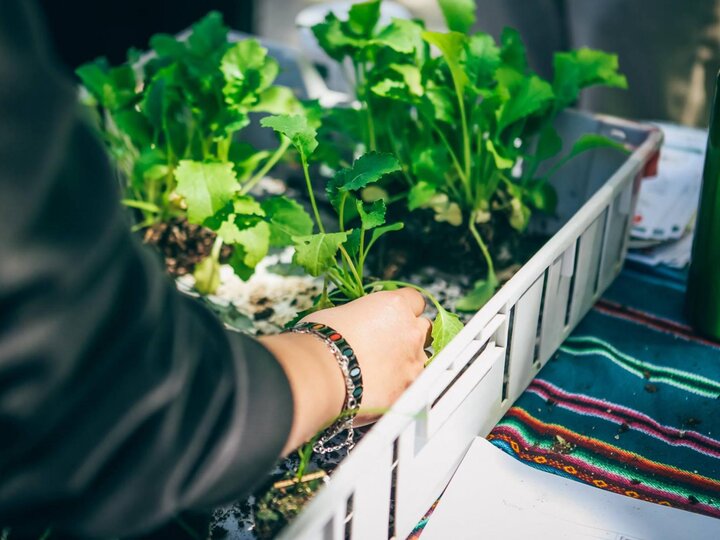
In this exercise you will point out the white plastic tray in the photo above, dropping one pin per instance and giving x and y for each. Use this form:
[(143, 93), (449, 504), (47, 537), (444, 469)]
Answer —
[(411, 453)]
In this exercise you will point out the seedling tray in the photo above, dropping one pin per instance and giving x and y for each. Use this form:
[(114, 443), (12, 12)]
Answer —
[(384, 487)]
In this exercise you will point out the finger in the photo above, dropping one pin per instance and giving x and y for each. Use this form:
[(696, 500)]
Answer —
[(415, 300), (426, 327)]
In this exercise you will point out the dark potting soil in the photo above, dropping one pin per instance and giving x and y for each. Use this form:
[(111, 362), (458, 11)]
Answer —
[(182, 244), (452, 251)]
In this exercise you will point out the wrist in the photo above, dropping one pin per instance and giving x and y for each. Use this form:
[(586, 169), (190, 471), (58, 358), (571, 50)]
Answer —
[(316, 381)]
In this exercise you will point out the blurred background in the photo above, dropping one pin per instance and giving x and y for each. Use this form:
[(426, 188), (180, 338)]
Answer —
[(669, 49)]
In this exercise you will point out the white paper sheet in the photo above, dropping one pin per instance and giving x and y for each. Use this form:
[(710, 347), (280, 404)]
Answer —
[(668, 201), (494, 496)]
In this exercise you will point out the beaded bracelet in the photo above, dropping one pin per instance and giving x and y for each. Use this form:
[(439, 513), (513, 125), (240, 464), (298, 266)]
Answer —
[(350, 368)]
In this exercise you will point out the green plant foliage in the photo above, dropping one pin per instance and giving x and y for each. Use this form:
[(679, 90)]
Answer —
[(469, 122), (170, 123), (339, 257)]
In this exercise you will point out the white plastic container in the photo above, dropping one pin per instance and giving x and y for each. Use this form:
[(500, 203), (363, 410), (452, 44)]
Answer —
[(411, 453)]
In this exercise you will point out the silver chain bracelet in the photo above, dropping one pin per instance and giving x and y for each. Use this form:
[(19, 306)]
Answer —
[(346, 359)]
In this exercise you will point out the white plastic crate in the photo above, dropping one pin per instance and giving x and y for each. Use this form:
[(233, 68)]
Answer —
[(411, 453)]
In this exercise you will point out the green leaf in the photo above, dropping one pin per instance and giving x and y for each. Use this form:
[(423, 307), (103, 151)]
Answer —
[(206, 187), (541, 195), (208, 35), (483, 291), (402, 36), (135, 125), (352, 244), (246, 159), (255, 242), (297, 129), (581, 68), (420, 195), (363, 18), (392, 89), (452, 47), (527, 96), (430, 164), (165, 108), (113, 88), (591, 141), (248, 71), (513, 51), (287, 218), (380, 231), (278, 100), (237, 263), (407, 90), (459, 14), (371, 215), (549, 143), (207, 275), (439, 102), (165, 45), (483, 59), (333, 39), (445, 327), (366, 170), (316, 253), (411, 77), (501, 162)]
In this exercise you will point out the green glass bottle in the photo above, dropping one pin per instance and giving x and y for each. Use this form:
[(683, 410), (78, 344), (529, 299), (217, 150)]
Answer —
[(703, 293)]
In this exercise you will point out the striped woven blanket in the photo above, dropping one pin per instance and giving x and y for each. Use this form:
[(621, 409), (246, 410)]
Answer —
[(629, 403)]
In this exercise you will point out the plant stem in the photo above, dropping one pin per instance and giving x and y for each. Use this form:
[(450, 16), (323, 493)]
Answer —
[(341, 283), (304, 453), (362, 73), (308, 183), (483, 247), (223, 148), (267, 166), (454, 157), (359, 284), (217, 247), (361, 252), (418, 288), (341, 211), (141, 205), (465, 135)]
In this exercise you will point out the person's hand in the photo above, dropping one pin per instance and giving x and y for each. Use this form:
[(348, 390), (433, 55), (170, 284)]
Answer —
[(388, 334)]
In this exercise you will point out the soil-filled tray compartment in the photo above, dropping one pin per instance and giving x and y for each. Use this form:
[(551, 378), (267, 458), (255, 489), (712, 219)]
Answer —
[(402, 465)]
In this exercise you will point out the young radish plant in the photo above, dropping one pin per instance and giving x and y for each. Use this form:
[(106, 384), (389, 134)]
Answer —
[(339, 256), (470, 123), (171, 123)]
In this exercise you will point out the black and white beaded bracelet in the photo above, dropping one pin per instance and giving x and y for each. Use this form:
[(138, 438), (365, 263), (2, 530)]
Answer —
[(350, 368)]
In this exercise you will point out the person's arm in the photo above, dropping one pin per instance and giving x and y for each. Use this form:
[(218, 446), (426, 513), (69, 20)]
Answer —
[(123, 402)]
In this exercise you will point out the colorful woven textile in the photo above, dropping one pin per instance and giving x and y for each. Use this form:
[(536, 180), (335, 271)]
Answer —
[(629, 403)]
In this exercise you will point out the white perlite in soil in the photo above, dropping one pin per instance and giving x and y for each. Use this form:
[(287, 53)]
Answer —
[(266, 302)]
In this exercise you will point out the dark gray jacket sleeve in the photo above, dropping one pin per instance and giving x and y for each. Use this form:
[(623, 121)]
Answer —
[(121, 401)]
